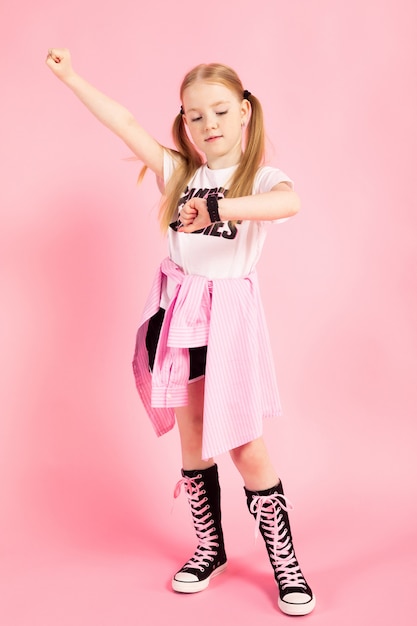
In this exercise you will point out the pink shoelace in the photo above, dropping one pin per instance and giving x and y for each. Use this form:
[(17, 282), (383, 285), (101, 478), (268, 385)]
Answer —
[(268, 513), (203, 522)]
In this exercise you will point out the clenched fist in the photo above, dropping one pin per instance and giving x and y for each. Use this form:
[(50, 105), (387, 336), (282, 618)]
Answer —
[(59, 61)]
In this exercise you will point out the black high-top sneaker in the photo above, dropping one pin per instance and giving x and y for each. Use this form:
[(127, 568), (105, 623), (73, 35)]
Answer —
[(203, 493), (270, 509)]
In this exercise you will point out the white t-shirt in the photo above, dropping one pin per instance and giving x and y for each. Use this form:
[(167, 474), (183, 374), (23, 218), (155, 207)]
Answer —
[(225, 249)]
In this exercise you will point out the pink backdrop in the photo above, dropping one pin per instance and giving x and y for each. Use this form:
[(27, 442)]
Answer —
[(86, 530)]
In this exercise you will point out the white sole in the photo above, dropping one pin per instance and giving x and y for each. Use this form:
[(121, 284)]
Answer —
[(195, 586)]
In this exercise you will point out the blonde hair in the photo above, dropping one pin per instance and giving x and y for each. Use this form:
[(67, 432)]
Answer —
[(190, 159)]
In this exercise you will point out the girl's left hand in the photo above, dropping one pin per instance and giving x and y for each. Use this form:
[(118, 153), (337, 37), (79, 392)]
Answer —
[(194, 216)]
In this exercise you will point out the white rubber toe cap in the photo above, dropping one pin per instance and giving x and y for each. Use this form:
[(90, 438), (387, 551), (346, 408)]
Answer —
[(297, 604)]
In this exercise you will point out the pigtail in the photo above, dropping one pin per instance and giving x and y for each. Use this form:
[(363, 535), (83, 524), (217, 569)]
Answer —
[(255, 147), (189, 160), (183, 143), (141, 174), (253, 155)]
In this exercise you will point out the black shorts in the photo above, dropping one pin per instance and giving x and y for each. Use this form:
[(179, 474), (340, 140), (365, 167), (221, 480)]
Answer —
[(197, 355)]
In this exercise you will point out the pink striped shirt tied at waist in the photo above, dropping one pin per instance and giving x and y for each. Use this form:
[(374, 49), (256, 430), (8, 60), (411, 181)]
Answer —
[(226, 315)]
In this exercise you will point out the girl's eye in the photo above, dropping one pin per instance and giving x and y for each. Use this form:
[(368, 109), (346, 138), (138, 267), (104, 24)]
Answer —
[(200, 117)]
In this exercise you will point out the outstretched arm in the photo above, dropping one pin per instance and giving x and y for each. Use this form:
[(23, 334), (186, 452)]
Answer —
[(109, 112)]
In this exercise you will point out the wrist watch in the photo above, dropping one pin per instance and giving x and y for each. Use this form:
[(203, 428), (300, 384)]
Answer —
[(213, 207)]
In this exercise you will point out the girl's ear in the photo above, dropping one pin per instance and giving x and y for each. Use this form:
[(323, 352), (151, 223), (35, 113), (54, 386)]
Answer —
[(245, 109)]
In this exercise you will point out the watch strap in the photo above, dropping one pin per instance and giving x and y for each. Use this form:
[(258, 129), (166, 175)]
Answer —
[(213, 208)]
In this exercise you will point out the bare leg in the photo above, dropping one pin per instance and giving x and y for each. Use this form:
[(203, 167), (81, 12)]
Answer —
[(254, 464), (190, 426)]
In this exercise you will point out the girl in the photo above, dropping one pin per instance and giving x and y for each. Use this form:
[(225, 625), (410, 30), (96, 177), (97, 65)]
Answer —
[(202, 354)]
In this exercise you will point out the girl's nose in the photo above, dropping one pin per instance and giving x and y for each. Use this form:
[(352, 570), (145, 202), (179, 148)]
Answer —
[(211, 122)]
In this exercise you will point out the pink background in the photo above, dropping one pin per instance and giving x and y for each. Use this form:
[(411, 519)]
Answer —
[(86, 530)]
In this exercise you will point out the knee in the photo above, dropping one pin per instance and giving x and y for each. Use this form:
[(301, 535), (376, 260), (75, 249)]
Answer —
[(249, 456)]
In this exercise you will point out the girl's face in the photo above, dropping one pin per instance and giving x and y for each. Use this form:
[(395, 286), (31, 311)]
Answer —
[(215, 118)]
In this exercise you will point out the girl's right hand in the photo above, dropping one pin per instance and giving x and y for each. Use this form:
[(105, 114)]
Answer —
[(109, 112), (59, 61)]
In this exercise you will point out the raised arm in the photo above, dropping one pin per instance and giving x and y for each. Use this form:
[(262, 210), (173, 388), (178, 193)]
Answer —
[(109, 112)]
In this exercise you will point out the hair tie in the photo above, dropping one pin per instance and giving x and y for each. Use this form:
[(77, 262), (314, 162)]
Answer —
[(246, 94), (181, 111)]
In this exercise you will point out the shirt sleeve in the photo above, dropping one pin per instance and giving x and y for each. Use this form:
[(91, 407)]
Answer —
[(266, 178), (170, 163)]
